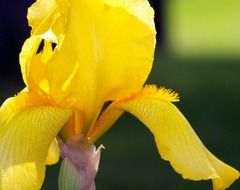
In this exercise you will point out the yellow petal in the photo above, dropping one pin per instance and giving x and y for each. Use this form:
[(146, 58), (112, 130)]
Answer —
[(44, 14), (26, 133), (102, 56), (34, 63), (103, 45), (53, 153), (175, 139), (137, 8), (224, 171), (29, 49)]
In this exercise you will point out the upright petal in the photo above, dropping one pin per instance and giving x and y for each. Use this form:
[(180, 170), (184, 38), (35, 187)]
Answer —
[(26, 133), (175, 139), (103, 45), (34, 57), (47, 16)]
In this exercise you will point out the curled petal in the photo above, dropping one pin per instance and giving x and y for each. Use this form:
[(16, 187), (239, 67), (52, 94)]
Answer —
[(26, 133), (176, 140)]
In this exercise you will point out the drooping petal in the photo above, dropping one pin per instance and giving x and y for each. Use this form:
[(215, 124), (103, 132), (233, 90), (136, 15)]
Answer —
[(26, 133), (104, 44), (175, 139)]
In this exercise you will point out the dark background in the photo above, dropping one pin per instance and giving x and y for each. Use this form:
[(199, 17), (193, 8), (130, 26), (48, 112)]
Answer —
[(209, 89)]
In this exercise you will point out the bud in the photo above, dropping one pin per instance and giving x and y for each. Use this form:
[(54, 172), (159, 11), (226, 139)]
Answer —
[(80, 164)]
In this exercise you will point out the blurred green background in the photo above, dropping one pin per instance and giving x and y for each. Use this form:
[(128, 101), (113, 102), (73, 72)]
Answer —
[(203, 27), (197, 56)]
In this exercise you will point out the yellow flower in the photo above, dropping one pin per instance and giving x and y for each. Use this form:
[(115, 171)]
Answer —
[(81, 54)]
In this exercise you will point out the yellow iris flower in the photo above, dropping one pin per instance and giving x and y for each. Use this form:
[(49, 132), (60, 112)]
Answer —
[(81, 54)]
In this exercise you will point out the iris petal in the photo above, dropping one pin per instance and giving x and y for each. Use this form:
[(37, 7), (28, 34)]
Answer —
[(53, 153), (26, 133), (47, 16), (98, 57), (176, 140), (101, 57)]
